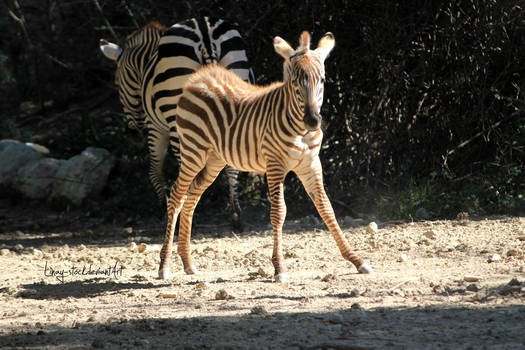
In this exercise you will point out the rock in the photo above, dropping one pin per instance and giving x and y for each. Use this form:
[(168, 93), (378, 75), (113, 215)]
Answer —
[(328, 278), (462, 216), (432, 234), (422, 213), (4, 251), (97, 344), (472, 288), (223, 295), (39, 148), (258, 310), (132, 246), (38, 254), (372, 227), (83, 175), (512, 287), (35, 179), (202, 285), (336, 318), (494, 258), (142, 247), (355, 293), (128, 230), (470, 278), (355, 306), (13, 155), (403, 258), (513, 252)]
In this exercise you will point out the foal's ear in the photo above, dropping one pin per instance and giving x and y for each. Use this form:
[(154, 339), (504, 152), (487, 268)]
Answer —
[(326, 44), (304, 41), (282, 47), (110, 50)]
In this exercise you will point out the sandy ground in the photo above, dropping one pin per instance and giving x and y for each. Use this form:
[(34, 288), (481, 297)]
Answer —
[(436, 285)]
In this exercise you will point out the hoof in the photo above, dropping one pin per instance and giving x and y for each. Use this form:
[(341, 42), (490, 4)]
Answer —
[(191, 270), (281, 278), (164, 274), (365, 268)]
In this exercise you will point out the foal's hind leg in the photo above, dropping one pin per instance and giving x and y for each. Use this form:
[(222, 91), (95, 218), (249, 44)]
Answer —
[(178, 195), (200, 183)]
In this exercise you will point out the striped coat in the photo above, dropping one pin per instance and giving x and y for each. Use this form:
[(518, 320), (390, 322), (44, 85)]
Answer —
[(274, 129), (151, 71)]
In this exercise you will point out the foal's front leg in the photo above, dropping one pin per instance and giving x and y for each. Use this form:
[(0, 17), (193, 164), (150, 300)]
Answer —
[(312, 178)]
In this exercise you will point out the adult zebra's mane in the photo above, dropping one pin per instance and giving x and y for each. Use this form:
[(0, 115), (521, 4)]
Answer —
[(137, 37)]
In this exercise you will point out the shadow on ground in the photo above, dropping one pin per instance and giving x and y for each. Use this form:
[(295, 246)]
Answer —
[(380, 328), (81, 289)]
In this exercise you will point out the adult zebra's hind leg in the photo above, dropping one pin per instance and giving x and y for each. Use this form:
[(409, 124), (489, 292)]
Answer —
[(199, 184), (276, 174), (233, 175), (157, 148), (312, 178)]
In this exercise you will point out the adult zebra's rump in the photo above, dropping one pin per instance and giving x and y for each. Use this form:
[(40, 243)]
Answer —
[(222, 120), (151, 71)]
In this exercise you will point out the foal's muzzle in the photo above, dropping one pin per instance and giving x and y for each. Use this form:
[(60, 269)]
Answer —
[(312, 119)]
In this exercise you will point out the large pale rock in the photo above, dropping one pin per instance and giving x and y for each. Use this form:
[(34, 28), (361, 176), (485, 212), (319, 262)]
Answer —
[(35, 180), (83, 175), (13, 155)]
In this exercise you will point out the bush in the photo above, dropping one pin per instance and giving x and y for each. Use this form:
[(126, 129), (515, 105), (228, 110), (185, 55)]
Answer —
[(422, 97)]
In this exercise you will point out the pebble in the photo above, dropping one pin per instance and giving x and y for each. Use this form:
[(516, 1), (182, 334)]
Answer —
[(422, 213), (142, 247), (98, 343), (203, 285), (432, 234), (128, 230), (403, 258), (494, 258), (38, 254), (142, 342), (472, 288), (512, 252), (223, 295), (4, 251), (259, 310), (372, 227), (355, 293), (262, 273), (132, 246), (470, 278), (328, 278), (336, 318)]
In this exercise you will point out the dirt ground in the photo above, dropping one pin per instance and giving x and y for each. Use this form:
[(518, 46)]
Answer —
[(80, 284)]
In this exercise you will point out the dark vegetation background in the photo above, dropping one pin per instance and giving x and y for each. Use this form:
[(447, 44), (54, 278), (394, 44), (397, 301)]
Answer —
[(424, 102)]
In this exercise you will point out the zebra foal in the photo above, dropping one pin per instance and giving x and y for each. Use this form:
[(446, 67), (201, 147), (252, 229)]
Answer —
[(274, 129), (152, 68)]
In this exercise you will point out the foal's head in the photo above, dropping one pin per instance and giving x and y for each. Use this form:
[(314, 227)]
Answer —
[(304, 69)]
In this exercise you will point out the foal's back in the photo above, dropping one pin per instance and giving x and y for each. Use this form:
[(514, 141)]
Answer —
[(221, 112)]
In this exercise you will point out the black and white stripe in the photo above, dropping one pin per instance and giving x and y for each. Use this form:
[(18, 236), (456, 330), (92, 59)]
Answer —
[(222, 120), (152, 69)]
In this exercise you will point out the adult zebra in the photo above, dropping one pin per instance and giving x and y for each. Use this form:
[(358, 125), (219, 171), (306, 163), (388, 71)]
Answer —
[(151, 71), (275, 129)]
